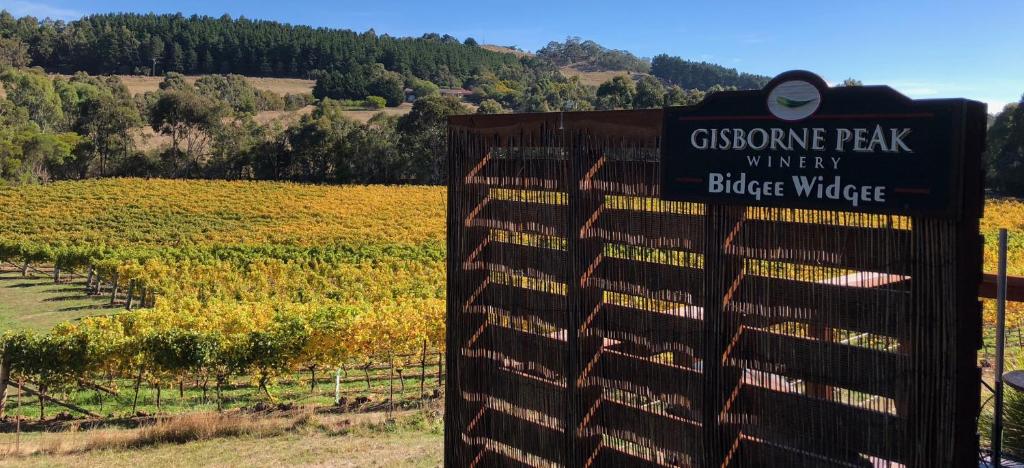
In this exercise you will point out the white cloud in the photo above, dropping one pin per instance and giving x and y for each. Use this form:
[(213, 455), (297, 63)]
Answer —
[(41, 10)]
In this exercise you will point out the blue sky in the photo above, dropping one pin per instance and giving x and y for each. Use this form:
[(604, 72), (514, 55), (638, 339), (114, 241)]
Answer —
[(939, 48)]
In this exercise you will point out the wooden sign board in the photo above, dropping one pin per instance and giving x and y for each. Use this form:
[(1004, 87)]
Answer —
[(800, 143)]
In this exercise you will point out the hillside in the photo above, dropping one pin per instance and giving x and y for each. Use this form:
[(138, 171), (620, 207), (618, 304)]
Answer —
[(127, 43), (134, 44)]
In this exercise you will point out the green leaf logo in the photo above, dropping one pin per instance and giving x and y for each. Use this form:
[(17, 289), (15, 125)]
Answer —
[(791, 103), (793, 100)]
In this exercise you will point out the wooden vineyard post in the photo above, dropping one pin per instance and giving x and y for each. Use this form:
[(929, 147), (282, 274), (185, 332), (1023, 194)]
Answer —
[(423, 368), (131, 292), (113, 290), (391, 384), (17, 429), (5, 376)]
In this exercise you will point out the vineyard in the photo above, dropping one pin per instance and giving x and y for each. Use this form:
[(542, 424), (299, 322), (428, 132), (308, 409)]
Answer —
[(227, 280), (214, 283)]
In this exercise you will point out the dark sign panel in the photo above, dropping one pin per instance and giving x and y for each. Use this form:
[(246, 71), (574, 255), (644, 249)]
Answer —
[(799, 143)]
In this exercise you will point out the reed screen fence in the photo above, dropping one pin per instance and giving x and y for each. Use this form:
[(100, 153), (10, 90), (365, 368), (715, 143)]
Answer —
[(592, 324)]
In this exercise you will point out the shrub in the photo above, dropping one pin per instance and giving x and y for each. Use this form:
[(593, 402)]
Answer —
[(269, 101), (375, 102), (490, 106), (298, 101)]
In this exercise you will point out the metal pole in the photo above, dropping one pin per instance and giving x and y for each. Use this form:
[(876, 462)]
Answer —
[(997, 423)]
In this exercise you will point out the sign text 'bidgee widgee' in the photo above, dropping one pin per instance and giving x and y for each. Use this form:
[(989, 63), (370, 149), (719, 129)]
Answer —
[(802, 144)]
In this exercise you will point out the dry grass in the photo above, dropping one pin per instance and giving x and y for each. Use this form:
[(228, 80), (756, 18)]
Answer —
[(288, 438), (172, 430), (595, 78), (282, 118), (364, 116), (140, 84), (505, 50), (146, 139), (283, 86)]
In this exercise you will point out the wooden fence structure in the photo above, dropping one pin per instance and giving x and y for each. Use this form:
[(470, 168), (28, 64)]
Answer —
[(592, 324)]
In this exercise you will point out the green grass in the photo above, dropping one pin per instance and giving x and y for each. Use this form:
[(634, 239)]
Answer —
[(36, 303)]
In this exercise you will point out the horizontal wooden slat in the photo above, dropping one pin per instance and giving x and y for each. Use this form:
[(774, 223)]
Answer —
[(494, 124), (866, 249), (825, 362), (523, 303), (494, 459), (524, 217), (524, 260), (631, 178), (531, 437), (658, 331), (644, 377), (485, 377), (532, 174), (646, 428), (527, 348), (1014, 287), (650, 229), (654, 280), (871, 310), (817, 425), (610, 457), (765, 454)]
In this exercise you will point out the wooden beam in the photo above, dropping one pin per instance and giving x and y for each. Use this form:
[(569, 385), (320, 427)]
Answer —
[(1014, 287)]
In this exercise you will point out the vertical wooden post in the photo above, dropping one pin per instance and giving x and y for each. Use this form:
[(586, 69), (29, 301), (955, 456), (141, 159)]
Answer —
[(391, 384), (440, 370), (42, 401), (813, 389), (585, 149), (89, 278), (721, 272), (131, 293), (17, 429), (423, 368), (113, 290), (968, 329), (56, 273), (5, 376)]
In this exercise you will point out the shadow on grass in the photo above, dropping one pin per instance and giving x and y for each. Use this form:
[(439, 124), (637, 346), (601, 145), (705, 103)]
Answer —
[(25, 285), (81, 297), (89, 307)]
